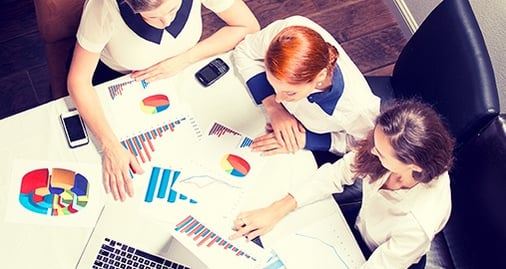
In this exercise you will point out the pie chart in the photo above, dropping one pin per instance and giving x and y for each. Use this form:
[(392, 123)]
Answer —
[(154, 104), (235, 165), (55, 192)]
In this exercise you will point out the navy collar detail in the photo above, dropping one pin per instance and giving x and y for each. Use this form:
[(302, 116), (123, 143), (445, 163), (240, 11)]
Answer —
[(150, 33), (327, 100)]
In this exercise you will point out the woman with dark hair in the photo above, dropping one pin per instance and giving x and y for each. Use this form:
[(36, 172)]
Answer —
[(150, 40), (403, 165), (315, 95)]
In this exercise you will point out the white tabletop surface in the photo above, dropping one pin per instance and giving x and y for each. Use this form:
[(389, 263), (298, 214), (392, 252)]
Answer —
[(36, 134)]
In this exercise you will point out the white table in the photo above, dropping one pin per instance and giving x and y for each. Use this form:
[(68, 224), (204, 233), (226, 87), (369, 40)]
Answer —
[(37, 134)]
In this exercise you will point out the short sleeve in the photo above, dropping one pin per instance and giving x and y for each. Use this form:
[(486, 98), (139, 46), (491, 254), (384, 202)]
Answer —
[(97, 24), (218, 6)]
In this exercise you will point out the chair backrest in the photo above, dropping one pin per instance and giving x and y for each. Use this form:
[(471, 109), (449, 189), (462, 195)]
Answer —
[(58, 21), (446, 64), (478, 185)]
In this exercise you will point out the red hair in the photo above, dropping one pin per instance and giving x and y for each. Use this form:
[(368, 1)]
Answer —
[(297, 54)]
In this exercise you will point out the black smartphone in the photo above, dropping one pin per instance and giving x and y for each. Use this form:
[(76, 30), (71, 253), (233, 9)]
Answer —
[(212, 71), (74, 128)]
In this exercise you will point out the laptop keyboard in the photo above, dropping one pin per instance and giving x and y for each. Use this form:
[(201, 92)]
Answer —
[(114, 254)]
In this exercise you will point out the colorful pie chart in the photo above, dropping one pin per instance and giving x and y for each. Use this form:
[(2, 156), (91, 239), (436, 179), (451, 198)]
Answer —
[(155, 104), (235, 165), (55, 192)]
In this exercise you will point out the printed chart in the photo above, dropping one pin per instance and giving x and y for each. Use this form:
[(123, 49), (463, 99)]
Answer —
[(326, 251), (136, 106), (161, 182), (219, 130), (58, 192), (155, 104), (141, 145), (224, 154), (54, 193), (116, 90), (211, 245)]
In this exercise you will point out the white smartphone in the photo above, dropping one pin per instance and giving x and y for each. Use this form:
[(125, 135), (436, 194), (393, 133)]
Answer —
[(74, 128)]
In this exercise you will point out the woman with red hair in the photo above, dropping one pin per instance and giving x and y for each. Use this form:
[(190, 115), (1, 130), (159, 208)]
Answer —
[(315, 96)]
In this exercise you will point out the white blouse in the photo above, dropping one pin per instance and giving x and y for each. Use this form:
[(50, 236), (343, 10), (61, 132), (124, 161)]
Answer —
[(119, 38), (356, 108), (398, 226)]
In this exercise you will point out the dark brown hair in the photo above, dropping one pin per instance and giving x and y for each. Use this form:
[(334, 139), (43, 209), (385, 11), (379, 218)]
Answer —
[(297, 54), (418, 136)]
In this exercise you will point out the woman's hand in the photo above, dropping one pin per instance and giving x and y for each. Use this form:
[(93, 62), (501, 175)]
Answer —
[(164, 69), (251, 224), (289, 132), (117, 161), (269, 144)]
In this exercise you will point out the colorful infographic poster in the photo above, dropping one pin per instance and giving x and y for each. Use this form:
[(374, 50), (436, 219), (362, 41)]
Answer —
[(136, 106), (55, 193)]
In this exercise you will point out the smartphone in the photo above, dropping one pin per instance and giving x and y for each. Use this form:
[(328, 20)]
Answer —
[(75, 130), (212, 71)]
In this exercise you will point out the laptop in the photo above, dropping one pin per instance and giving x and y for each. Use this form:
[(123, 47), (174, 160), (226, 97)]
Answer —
[(123, 238)]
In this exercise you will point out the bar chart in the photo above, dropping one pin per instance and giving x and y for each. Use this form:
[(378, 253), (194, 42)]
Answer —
[(205, 237), (220, 130), (161, 184), (117, 89), (142, 145)]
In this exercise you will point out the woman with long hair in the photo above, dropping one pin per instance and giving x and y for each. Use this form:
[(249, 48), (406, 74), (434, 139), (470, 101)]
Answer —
[(403, 166)]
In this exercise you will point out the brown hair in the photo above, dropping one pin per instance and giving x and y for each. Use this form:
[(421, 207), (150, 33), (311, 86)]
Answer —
[(297, 54), (143, 5), (417, 134)]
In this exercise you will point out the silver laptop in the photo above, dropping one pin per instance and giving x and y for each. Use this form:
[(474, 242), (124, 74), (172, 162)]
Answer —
[(124, 239)]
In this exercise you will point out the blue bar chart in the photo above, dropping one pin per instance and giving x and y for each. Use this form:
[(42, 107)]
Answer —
[(161, 184)]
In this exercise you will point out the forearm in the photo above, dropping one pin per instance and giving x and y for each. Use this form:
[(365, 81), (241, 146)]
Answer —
[(221, 41), (271, 106), (239, 20), (284, 206), (88, 104)]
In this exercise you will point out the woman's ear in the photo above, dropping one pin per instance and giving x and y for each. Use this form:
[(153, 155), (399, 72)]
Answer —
[(416, 168), (322, 75)]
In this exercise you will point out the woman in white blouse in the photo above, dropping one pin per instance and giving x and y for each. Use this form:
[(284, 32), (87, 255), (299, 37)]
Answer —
[(315, 95), (151, 40), (403, 166)]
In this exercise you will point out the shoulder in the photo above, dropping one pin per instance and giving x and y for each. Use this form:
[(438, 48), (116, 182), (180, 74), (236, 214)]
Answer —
[(102, 5), (433, 206), (100, 11), (217, 5)]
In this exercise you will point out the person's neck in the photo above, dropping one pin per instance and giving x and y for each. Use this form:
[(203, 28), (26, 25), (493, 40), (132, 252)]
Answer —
[(397, 182)]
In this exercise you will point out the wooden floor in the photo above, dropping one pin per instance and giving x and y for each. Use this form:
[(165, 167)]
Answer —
[(365, 28)]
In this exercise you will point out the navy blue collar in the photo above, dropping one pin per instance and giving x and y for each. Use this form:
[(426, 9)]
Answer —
[(148, 32), (327, 99)]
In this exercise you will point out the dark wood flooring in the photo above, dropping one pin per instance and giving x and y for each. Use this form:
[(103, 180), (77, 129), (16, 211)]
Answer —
[(365, 28)]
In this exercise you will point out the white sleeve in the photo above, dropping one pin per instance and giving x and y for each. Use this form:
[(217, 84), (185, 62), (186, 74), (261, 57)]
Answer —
[(218, 6), (328, 179), (404, 248), (97, 24)]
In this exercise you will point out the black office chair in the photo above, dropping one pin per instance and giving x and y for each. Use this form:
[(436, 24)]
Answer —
[(446, 63)]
